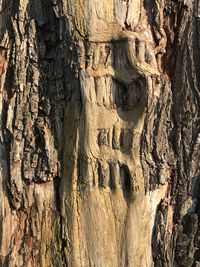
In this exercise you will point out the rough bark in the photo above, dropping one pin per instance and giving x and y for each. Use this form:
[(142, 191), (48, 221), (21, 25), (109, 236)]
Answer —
[(99, 133)]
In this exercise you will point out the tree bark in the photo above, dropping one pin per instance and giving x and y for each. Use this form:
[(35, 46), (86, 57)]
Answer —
[(99, 133)]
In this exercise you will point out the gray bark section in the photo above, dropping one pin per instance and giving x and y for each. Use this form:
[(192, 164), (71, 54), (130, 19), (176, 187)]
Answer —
[(176, 143)]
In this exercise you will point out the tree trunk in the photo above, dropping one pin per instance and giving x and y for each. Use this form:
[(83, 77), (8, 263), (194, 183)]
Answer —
[(99, 133)]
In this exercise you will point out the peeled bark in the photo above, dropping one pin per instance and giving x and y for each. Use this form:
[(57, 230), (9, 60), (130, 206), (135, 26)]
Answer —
[(99, 133)]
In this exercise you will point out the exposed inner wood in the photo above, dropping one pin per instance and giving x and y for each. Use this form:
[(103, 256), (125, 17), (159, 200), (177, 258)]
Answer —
[(99, 133)]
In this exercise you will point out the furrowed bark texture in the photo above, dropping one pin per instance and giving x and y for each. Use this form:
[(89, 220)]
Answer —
[(99, 133)]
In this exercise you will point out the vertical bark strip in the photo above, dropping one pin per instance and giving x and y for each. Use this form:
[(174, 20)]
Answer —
[(99, 133)]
